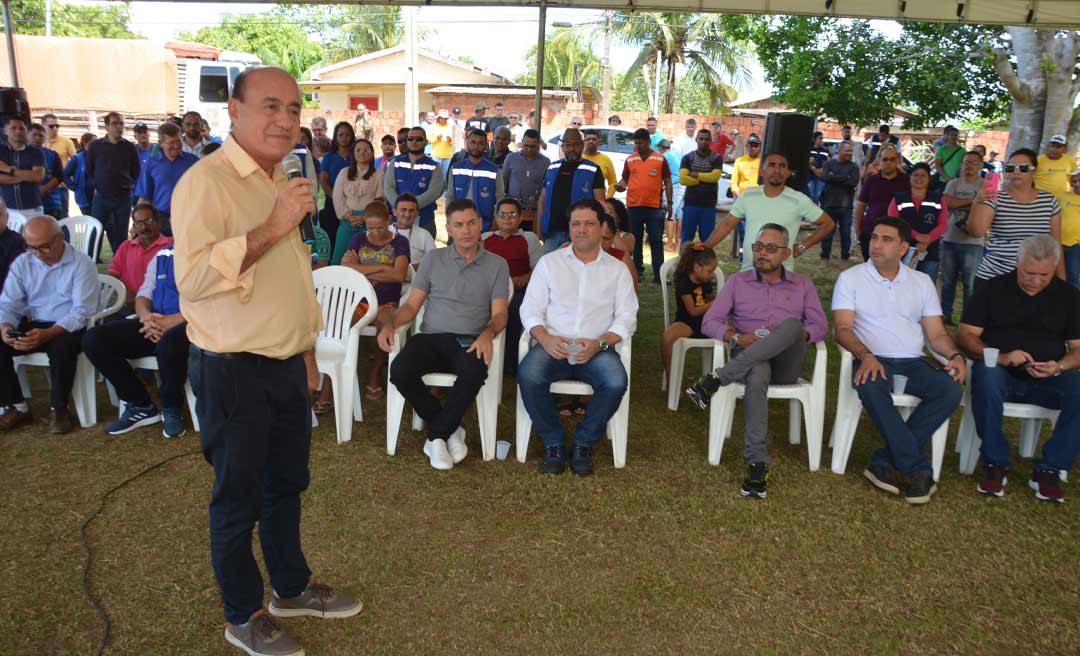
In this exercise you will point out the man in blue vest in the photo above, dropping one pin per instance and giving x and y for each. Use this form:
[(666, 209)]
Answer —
[(415, 173), (567, 181), (160, 330), (477, 178)]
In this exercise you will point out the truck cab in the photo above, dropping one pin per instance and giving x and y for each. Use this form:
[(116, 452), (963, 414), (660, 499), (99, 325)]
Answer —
[(205, 86)]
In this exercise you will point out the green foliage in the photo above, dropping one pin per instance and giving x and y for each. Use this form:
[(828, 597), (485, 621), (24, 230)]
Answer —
[(852, 72), (713, 56), (629, 95), (568, 60), (106, 21), (272, 36)]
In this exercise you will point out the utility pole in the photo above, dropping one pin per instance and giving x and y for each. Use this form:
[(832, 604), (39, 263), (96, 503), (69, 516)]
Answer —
[(9, 34), (656, 84), (605, 100), (48, 17), (541, 35), (412, 100)]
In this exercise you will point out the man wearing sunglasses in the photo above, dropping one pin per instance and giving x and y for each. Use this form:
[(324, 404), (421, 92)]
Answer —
[(767, 315), (415, 173), (49, 296)]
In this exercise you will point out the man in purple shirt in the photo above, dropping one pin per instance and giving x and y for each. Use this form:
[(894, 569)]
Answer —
[(877, 192), (768, 315)]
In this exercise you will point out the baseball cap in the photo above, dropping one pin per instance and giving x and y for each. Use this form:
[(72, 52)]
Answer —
[(139, 127), (1075, 172), (753, 139), (481, 105), (456, 110), (444, 114), (1059, 139)]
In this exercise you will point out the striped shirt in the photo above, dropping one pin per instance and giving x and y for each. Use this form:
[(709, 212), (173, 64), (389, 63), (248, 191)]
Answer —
[(1014, 222)]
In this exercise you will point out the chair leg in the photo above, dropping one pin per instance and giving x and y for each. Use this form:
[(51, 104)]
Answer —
[(417, 422), (621, 427), (85, 393), (968, 442), (937, 447), (395, 407), (678, 357), (486, 408), (342, 405), (522, 428), (23, 382), (814, 430), (795, 421), (718, 421), (358, 408), (1029, 437)]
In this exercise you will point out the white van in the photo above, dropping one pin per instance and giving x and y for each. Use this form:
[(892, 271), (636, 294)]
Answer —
[(205, 86)]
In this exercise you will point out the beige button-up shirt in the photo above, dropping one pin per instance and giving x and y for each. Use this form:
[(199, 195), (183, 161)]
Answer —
[(269, 309)]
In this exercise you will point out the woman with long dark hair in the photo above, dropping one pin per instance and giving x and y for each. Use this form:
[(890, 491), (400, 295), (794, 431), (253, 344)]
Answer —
[(356, 186), (336, 159)]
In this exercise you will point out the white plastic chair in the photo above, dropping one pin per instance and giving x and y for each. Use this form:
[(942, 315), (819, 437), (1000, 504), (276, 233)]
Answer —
[(618, 426), (1031, 416), (110, 299), (339, 291), (807, 400), (849, 409), (16, 220), (682, 345), (84, 234), (150, 363), (487, 400)]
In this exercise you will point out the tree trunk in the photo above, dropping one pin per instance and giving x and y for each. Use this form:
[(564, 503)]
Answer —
[(669, 90), (1042, 86)]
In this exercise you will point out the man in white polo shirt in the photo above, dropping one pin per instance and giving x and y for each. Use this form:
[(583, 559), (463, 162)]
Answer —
[(881, 309)]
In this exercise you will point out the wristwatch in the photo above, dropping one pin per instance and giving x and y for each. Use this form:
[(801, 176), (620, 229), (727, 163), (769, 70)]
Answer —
[(604, 345)]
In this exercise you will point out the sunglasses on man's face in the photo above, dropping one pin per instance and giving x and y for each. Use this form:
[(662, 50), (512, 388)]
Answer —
[(771, 249), (1022, 168)]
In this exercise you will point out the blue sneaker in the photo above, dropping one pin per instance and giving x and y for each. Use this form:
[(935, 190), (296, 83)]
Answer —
[(133, 417), (172, 423)]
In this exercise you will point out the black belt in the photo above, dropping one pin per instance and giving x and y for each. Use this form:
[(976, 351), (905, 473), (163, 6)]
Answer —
[(236, 355)]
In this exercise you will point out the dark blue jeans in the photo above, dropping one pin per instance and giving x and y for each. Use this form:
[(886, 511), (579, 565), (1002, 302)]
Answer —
[(905, 442), (699, 220), (930, 268), (958, 264), (1072, 264), (651, 219), (991, 387), (109, 345), (255, 415), (553, 241), (604, 372), (114, 214), (842, 216)]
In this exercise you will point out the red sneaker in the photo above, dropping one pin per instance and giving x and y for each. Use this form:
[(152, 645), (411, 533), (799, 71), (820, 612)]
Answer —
[(993, 480), (1047, 485)]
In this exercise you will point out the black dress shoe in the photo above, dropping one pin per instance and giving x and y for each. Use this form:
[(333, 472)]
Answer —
[(554, 461), (581, 460)]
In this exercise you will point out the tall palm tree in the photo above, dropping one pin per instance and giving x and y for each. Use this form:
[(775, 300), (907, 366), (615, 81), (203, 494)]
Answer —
[(699, 42), (568, 60)]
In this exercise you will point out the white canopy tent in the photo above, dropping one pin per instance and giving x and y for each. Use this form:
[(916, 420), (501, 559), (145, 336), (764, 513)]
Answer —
[(1032, 13)]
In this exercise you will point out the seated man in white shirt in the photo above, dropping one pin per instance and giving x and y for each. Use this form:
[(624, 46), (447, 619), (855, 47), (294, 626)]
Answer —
[(881, 309), (420, 241), (576, 327)]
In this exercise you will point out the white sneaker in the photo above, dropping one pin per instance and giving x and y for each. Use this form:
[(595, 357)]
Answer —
[(456, 444), (436, 452)]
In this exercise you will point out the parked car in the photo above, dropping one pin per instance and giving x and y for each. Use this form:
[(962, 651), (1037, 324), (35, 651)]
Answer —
[(617, 143)]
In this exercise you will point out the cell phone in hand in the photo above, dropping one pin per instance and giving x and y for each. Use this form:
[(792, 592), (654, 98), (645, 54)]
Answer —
[(16, 334), (465, 342)]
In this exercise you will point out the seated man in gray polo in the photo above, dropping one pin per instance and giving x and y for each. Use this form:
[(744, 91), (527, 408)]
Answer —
[(466, 289)]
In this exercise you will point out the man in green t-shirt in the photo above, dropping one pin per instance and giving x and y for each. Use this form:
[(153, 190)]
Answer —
[(774, 202), (949, 158)]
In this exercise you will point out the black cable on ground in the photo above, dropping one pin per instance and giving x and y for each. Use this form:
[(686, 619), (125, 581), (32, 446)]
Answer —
[(86, 544)]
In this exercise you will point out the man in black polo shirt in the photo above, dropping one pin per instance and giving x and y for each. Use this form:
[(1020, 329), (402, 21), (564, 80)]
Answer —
[(1028, 316), (112, 168), (22, 169), (479, 121)]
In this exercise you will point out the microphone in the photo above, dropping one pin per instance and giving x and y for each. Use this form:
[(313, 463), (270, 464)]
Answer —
[(293, 168)]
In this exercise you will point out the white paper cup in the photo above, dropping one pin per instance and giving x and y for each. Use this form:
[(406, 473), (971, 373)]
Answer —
[(990, 356), (899, 384), (502, 449)]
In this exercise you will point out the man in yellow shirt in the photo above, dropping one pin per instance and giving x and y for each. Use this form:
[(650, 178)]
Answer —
[(592, 153), (1053, 169), (1070, 227), (442, 140), (745, 173)]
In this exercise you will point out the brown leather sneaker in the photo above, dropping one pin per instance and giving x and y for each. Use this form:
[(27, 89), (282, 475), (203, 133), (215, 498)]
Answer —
[(12, 418), (60, 421)]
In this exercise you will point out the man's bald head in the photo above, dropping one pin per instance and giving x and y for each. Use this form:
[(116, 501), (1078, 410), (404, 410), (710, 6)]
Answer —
[(41, 227), (252, 74)]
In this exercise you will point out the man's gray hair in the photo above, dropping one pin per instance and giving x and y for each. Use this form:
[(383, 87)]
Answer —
[(503, 128), (53, 224), (1039, 247), (773, 226)]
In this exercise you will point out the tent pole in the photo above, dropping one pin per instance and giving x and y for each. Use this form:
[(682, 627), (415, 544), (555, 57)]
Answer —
[(539, 63), (9, 32)]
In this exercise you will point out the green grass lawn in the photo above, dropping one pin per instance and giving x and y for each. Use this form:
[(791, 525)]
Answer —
[(661, 557)]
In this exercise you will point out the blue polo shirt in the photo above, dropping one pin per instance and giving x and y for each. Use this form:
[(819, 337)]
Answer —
[(53, 171), (159, 178), (332, 164), (23, 195)]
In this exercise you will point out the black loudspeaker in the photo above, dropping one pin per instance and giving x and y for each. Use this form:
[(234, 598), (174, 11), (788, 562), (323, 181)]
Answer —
[(792, 134), (13, 103)]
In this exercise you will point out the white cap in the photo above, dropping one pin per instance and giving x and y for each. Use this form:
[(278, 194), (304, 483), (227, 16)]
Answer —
[(1059, 139)]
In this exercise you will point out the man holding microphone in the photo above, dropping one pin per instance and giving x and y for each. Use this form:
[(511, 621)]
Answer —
[(245, 286)]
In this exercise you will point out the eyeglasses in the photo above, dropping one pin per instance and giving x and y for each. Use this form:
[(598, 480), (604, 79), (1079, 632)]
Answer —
[(771, 249), (142, 221), (509, 215), (44, 249), (1023, 168)]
